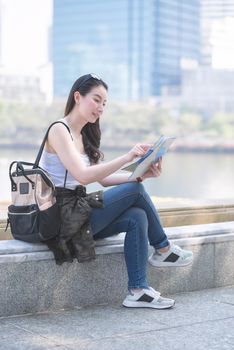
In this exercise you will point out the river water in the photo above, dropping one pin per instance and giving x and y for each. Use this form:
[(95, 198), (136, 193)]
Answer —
[(185, 175)]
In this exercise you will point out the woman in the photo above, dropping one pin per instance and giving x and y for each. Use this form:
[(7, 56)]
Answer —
[(127, 206)]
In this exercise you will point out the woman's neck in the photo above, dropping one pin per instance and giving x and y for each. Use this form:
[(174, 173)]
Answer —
[(75, 122)]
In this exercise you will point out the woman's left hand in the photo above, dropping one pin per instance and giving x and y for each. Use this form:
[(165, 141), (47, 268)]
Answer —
[(154, 170)]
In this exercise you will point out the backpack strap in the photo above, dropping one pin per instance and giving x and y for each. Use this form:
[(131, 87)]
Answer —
[(37, 161)]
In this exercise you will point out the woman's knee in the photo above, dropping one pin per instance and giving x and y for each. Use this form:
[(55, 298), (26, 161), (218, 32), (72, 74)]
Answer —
[(135, 187), (138, 217)]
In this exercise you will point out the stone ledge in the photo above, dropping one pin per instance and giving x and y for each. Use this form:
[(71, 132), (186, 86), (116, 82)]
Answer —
[(32, 282), (196, 212), (17, 251)]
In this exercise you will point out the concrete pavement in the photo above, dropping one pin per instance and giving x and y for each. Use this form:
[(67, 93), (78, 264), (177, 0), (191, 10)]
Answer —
[(200, 320)]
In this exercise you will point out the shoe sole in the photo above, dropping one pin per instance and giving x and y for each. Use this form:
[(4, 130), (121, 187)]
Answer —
[(171, 264), (137, 304)]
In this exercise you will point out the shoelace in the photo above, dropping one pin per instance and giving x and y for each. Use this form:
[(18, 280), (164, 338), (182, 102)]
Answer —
[(179, 251)]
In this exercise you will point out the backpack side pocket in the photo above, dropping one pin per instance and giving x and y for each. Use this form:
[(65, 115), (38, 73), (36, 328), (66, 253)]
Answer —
[(24, 222)]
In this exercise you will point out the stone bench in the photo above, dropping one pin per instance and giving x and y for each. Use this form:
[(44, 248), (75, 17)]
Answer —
[(32, 282)]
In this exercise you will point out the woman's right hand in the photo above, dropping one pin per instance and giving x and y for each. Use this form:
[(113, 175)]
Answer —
[(138, 151)]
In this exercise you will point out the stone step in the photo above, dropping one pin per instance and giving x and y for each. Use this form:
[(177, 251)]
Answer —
[(32, 282)]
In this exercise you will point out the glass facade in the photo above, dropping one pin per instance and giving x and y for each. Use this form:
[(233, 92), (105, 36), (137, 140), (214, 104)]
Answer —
[(176, 38), (134, 45)]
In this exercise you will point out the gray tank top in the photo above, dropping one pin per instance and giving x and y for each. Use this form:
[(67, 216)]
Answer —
[(51, 163)]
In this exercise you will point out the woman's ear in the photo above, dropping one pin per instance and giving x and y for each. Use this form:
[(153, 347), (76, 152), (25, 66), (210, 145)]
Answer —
[(77, 97)]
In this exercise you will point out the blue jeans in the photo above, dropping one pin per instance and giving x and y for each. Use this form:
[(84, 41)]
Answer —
[(128, 208)]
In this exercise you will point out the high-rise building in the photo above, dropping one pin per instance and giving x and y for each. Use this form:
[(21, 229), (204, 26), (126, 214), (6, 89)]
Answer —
[(2, 9), (177, 42), (215, 9), (136, 46), (217, 32)]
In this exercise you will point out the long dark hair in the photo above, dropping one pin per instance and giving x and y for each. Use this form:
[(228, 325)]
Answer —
[(91, 132)]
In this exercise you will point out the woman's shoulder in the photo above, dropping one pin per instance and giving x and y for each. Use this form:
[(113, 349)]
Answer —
[(59, 122), (59, 126), (58, 133)]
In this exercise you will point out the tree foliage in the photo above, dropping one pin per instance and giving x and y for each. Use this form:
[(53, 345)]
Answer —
[(122, 124)]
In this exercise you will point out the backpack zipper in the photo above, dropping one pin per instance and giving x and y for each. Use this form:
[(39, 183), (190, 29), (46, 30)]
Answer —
[(31, 212)]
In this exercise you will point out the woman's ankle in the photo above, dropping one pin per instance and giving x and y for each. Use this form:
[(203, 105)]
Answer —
[(164, 249), (136, 290)]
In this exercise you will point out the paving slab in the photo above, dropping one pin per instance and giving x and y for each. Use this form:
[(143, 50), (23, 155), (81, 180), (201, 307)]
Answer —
[(193, 337), (200, 320), (14, 337)]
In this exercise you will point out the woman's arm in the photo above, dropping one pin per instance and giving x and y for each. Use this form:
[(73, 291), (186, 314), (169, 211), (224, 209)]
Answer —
[(115, 179), (61, 143)]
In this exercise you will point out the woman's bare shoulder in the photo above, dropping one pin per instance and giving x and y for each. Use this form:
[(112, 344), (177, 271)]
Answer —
[(58, 134), (59, 128)]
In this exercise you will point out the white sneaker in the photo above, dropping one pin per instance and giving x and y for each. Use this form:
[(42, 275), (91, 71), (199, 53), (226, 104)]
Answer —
[(175, 256), (149, 298)]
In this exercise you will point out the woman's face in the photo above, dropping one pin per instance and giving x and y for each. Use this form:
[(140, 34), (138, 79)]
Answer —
[(91, 106)]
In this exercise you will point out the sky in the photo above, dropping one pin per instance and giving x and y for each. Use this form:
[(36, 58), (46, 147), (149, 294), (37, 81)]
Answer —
[(24, 39)]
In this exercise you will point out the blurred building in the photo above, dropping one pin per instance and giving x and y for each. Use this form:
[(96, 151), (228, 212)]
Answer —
[(24, 76), (208, 90), (22, 88), (217, 33), (136, 46), (204, 90), (1, 29), (177, 43)]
